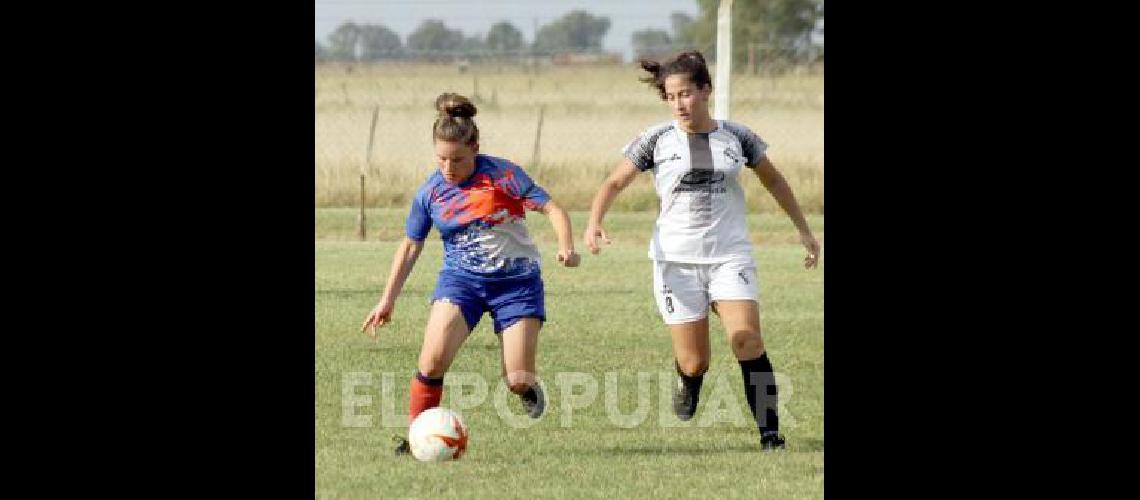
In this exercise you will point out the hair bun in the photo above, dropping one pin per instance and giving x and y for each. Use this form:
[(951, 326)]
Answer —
[(455, 106), (694, 55)]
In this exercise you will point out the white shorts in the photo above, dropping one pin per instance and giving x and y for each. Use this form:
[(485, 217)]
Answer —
[(684, 291)]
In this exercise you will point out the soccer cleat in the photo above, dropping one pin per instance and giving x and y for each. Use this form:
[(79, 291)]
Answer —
[(684, 401), (403, 447), (534, 401), (771, 440)]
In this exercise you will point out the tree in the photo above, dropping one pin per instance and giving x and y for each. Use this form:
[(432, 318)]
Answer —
[(433, 36), (681, 23), (504, 37), (343, 42), (780, 28), (322, 52), (378, 42), (473, 45), (651, 44), (362, 42), (577, 31)]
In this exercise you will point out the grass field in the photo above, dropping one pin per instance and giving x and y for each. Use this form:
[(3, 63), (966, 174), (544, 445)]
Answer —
[(590, 112), (601, 320)]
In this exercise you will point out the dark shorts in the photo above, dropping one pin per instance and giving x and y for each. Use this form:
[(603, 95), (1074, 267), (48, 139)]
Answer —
[(507, 300)]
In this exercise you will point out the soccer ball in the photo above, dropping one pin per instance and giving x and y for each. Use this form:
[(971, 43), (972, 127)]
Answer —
[(437, 434)]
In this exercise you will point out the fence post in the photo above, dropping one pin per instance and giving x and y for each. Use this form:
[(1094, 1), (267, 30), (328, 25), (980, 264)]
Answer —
[(361, 225), (535, 157), (752, 58)]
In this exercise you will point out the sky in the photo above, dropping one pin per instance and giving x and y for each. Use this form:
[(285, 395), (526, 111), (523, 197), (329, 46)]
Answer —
[(476, 16)]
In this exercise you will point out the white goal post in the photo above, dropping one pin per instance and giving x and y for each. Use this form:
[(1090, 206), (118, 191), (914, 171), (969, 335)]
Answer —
[(721, 84)]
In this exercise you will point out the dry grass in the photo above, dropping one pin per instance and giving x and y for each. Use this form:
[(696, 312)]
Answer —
[(590, 113)]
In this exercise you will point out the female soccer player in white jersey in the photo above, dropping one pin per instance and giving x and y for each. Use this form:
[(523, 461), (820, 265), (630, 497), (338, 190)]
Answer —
[(701, 251)]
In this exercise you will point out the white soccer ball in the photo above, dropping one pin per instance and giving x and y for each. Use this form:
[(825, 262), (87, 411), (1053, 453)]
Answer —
[(437, 434)]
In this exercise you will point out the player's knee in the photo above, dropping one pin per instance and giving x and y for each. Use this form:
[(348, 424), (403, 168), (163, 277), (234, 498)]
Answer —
[(693, 365), (747, 343), (432, 365)]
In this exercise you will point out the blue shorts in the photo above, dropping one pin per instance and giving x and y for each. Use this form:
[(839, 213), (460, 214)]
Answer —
[(507, 300)]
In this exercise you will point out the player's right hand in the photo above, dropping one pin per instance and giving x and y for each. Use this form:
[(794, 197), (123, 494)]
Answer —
[(380, 316), (569, 258), (593, 235)]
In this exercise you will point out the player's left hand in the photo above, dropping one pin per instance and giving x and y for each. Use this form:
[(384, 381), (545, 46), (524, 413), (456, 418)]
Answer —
[(812, 246)]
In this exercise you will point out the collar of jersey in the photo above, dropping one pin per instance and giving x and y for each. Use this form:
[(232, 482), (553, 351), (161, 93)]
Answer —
[(677, 126)]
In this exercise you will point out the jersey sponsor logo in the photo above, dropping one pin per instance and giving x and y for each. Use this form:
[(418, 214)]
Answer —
[(702, 177), (671, 158), (709, 181), (743, 278)]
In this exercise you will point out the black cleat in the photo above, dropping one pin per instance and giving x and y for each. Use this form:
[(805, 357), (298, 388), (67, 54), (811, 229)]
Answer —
[(771, 440), (684, 401), (534, 401), (402, 448)]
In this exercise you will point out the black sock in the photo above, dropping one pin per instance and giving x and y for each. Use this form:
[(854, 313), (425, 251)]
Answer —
[(693, 382), (434, 382), (759, 381), (530, 394)]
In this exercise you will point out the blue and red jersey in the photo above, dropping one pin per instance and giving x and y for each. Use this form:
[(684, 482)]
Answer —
[(481, 220)]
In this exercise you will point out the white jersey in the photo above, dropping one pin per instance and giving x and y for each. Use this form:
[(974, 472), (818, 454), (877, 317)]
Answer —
[(697, 177)]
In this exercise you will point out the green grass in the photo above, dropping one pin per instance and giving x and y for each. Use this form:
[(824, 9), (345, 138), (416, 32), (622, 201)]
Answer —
[(601, 319)]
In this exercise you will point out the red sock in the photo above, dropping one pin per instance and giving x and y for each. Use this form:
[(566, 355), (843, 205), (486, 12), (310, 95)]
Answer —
[(425, 393)]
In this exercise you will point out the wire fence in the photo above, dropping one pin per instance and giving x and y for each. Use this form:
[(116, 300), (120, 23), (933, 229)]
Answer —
[(565, 120)]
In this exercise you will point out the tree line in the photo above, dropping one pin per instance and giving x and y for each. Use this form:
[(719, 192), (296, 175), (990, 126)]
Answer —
[(773, 29)]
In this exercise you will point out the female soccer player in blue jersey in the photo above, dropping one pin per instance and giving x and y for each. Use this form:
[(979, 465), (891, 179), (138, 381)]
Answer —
[(701, 250), (478, 203)]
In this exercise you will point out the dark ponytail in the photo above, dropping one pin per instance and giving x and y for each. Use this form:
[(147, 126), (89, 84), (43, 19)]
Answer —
[(691, 64)]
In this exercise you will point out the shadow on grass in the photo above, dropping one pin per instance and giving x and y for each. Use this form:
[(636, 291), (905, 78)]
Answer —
[(798, 446), (806, 444), (747, 445)]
